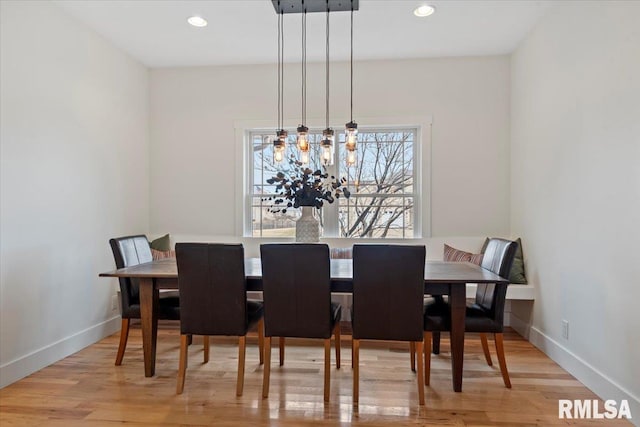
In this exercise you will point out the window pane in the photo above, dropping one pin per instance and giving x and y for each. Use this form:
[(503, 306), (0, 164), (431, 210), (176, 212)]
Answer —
[(381, 217), (265, 223)]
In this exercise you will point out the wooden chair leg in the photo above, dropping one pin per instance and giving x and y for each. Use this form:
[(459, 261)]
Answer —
[(124, 336), (419, 350), (281, 351), (182, 367), (436, 343), (205, 343), (412, 350), (336, 335), (356, 371), (485, 348), (242, 345), (327, 369), (261, 339), (267, 367), (501, 360), (427, 357), (352, 357)]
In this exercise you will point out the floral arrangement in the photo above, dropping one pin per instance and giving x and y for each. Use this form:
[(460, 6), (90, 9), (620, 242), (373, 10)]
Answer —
[(302, 186)]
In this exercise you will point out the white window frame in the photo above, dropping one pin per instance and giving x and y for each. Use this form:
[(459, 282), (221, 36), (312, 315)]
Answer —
[(422, 175)]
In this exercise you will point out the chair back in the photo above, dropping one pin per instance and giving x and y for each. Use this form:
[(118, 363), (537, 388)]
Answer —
[(498, 258), (388, 290), (127, 252), (296, 281), (213, 289)]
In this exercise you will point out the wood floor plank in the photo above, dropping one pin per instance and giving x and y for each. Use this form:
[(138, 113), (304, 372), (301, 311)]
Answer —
[(86, 389)]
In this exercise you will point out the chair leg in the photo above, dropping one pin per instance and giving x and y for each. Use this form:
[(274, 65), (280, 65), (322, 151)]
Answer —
[(427, 357), (189, 339), (327, 369), (261, 339), (356, 371), (485, 348), (242, 345), (182, 367), (336, 335), (501, 360), (281, 351), (267, 367), (412, 350), (124, 336), (352, 356), (419, 349), (436, 343), (205, 343)]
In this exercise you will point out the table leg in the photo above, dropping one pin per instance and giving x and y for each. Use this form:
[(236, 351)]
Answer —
[(149, 318), (457, 302)]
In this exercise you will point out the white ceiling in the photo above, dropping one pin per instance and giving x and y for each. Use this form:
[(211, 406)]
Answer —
[(245, 31)]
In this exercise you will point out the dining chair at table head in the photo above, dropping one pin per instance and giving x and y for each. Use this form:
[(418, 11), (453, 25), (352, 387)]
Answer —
[(129, 251), (388, 289), (213, 299), (486, 313), (296, 281)]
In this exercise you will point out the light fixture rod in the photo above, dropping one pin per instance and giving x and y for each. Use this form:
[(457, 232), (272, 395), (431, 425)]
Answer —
[(304, 67), (327, 68), (279, 65), (351, 61)]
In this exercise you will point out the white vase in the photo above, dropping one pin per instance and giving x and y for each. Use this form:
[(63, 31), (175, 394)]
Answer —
[(307, 226)]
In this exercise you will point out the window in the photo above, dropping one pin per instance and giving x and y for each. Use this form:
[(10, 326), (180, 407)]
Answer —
[(383, 184)]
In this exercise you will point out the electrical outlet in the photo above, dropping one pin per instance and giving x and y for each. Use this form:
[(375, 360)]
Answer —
[(565, 329), (114, 302)]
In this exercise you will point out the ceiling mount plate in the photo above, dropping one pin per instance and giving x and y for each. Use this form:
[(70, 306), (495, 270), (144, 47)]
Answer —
[(296, 6)]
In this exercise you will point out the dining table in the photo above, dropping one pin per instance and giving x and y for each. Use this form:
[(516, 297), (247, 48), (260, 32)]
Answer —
[(440, 278)]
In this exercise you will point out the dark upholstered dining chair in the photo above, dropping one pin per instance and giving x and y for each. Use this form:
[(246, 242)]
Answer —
[(388, 289), (213, 300), (296, 280), (129, 251), (484, 315)]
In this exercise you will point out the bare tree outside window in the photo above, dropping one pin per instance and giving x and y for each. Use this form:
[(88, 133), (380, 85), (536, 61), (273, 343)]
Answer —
[(381, 183)]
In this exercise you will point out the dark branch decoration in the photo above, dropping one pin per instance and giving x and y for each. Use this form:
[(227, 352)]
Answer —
[(301, 186)]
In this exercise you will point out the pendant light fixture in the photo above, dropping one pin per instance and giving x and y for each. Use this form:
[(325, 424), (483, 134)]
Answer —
[(303, 130), (280, 142), (328, 135), (326, 144), (351, 128)]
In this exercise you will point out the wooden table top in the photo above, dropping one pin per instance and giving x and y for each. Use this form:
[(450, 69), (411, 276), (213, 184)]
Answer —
[(341, 270)]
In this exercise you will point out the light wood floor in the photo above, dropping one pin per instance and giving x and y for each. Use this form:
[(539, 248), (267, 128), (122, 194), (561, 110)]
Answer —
[(87, 389)]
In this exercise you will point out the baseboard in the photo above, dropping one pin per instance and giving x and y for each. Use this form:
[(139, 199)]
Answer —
[(592, 378), (26, 365)]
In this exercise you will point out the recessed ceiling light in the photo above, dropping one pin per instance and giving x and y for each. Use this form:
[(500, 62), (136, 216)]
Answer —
[(424, 10), (197, 21)]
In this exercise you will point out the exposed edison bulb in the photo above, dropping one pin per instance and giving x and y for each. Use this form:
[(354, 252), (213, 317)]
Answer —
[(303, 143), (351, 136), (278, 154), (351, 157), (327, 146), (280, 145), (327, 153), (304, 157), (303, 138)]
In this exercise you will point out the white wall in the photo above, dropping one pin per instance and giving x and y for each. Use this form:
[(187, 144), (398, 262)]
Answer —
[(575, 188), (193, 111), (74, 172)]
